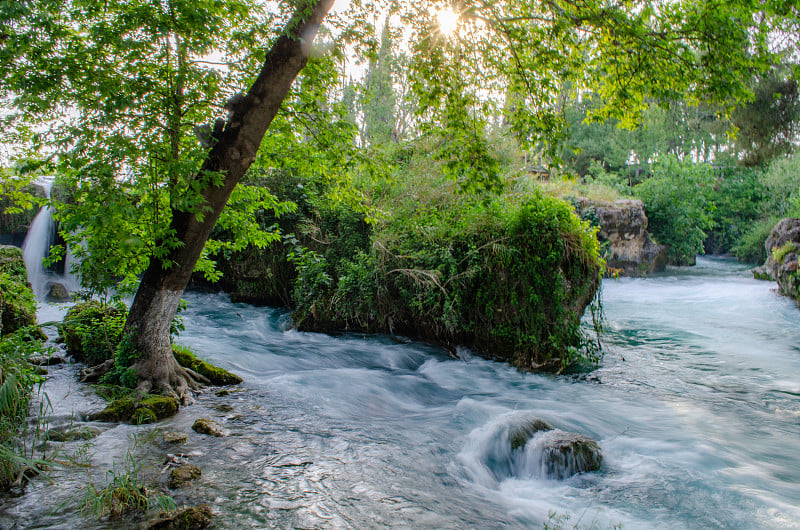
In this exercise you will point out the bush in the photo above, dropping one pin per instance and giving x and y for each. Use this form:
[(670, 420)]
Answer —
[(677, 206), (750, 247), (17, 303), (91, 330), (508, 278), (738, 198)]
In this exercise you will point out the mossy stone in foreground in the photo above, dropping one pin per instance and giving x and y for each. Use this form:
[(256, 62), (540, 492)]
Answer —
[(183, 519), (138, 409), (209, 427), (216, 375), (183, 474)]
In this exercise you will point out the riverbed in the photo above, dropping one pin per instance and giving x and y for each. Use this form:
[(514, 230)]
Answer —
[(696, 407)]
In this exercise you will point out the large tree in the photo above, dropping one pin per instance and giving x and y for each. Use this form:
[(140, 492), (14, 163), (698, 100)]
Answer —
[(119, 92)]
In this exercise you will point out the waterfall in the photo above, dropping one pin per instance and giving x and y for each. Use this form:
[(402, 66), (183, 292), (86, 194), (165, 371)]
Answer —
[(36, 248)]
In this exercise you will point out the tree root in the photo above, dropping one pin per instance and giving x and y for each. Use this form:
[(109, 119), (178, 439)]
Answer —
[(93, 374), (171, 379)]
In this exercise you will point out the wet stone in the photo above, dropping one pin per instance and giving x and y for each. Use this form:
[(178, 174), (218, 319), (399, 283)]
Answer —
[(209, 427), (175, 437), (184, 519), (183, 474)]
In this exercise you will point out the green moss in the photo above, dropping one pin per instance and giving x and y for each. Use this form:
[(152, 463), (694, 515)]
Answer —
[(138, 408), (183, 474), (217, 376), (778, 254)]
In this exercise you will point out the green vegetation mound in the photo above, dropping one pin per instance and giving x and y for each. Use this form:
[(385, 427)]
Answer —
[(510, 279), (17, 303), (91, 331)]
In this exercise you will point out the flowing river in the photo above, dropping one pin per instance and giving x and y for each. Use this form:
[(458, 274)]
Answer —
[(696, 407)]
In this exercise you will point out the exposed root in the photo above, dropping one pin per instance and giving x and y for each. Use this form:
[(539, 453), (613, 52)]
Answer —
[(169, 378), (94, 373)]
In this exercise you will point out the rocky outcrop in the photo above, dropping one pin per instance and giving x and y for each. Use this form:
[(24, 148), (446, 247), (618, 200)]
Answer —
[(14, 224), (623, 229), (783, 247)]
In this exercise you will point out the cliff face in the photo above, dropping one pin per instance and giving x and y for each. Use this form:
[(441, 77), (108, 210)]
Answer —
[(783, 247), (623, 228)]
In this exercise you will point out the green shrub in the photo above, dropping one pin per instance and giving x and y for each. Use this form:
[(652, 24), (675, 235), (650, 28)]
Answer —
[(677, 206), (750, 246), (509, 278), (17, 303), (91, 330), (738, 198)]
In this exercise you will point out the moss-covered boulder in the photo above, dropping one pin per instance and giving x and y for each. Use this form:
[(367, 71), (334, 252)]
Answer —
[(539, 450), (138, 409), (17, 303), (91, 331), (217, 376), (519, 435), (70, 434), (182, 474), (208, 427), (192, 518)]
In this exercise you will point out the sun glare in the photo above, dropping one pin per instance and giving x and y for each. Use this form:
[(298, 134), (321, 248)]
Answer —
[(448, 21)]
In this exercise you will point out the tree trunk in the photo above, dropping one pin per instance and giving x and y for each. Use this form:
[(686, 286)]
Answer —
[(165, 279)]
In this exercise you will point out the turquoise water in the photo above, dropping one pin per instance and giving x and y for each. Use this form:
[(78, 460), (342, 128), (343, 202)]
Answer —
[(696, 408)]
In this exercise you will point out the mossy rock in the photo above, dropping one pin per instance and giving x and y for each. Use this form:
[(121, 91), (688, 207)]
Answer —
[(18, 222), (519, 436), (175, 437), (208, 427), (17, 303), (70, 435), (565, 454), (184, 519), (217, 376), (91, 331), (138, 409), (183, 474)]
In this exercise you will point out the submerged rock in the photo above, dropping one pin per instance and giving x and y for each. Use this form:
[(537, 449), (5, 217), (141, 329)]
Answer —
[(183, 519), (783, 247), (183, 474), (540, 451), (558, 454), (72, 434), (209, 427), (175, 437), (57, 293), (519, 436), (138, 409), (623, 225)]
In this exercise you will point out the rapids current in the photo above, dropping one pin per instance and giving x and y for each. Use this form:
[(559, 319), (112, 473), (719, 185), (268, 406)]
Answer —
[(696, 407)]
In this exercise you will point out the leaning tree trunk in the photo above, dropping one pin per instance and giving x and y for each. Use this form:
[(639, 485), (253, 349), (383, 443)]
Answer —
[(235, 148)]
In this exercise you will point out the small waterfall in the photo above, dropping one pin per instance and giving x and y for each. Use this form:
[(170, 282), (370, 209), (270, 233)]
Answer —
[(36, 248)]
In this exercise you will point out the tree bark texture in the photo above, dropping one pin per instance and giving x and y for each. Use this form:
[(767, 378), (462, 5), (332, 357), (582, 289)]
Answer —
[(165, 279)]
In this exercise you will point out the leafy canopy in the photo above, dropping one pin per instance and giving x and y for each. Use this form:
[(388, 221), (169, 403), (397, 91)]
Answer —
[(124, 95)]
